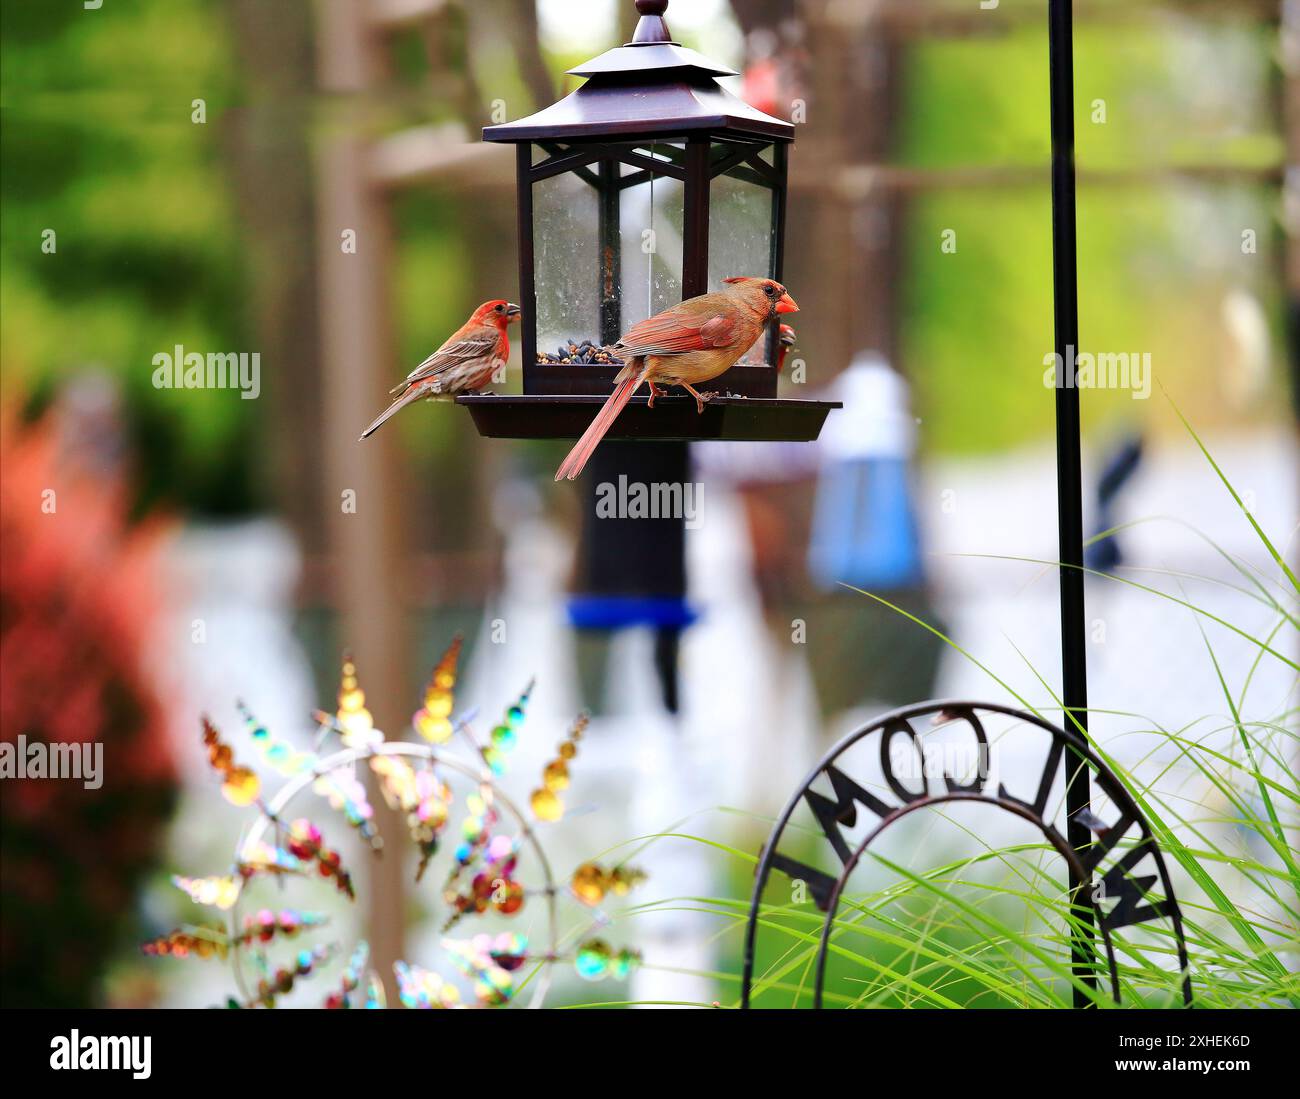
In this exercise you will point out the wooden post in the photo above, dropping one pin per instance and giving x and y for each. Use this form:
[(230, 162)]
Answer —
[(273, 186), (854, 231), (364, 482)]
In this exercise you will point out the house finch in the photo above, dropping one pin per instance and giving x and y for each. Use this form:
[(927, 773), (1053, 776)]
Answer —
[(686, 345), (464, 364)]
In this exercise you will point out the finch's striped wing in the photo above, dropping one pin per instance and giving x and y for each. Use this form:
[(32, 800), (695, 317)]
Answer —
[(464, 352), (676, 333)]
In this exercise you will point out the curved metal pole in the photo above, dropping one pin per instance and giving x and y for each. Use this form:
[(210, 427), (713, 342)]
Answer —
[(1049, 833), (1069, 465)]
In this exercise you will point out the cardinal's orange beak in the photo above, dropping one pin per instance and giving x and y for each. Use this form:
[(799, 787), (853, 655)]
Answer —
[(786, 305)]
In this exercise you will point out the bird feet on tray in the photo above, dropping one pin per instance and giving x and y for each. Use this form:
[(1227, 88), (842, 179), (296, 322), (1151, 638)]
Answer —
[(701, 399)]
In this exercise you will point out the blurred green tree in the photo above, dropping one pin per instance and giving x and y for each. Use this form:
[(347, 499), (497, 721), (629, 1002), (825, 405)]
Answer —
[(106, 145)]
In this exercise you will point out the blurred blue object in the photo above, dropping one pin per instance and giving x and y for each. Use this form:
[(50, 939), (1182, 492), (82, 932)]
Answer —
[(617, 612), (1107, 555), (864, 524)]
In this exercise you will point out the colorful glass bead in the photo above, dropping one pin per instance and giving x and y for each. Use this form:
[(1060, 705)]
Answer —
[(546, 806), (345, 792), (219, 892), (241, 786), (621, 967), (592, 960), (351, 980), (432, 720), (204, 943), (556, 775), (305, 842), (286, 759), (261, 858), (588, 884), (304, 839), (481, 889), (622, 878), (424, 989), (509, 950), (355, 721), (508, 897), (436, 730), (501, 981)]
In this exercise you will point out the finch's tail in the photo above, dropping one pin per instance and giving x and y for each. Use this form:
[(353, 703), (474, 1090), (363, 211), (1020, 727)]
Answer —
[(394, 408), (582, 451)]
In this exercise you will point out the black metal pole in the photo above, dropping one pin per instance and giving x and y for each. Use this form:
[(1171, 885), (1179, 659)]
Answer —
[(1069, 466), (527, 272), (611, 254), (780, 199)]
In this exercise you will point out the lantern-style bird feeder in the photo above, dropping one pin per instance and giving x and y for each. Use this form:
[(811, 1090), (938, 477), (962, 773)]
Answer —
[(648, 185)]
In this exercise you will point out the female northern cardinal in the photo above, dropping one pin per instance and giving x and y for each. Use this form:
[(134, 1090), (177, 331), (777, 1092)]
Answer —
[(464, 364), (686, 345)]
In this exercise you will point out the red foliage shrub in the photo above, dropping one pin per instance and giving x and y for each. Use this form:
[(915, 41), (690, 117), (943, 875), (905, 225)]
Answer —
[(78, 595)]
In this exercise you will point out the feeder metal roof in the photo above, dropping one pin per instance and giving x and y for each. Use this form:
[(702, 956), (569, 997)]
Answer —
[(651, 87)]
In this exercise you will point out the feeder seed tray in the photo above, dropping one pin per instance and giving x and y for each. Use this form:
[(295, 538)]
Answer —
[(673, 419)]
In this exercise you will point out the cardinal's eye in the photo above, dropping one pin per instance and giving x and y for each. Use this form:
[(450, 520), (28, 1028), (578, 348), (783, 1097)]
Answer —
[(501, 308), (770, 290)]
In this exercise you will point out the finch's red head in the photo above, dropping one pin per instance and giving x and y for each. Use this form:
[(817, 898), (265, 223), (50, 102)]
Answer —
[(498, 311), (769, 294)]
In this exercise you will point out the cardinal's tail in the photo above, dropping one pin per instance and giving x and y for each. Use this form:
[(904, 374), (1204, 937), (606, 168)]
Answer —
[(410, 395), (582, 451)]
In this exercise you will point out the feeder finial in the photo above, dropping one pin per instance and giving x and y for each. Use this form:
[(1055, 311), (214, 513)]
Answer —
[(652, 28)]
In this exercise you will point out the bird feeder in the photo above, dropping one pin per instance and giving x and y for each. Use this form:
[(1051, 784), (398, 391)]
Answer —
[(648, 185)]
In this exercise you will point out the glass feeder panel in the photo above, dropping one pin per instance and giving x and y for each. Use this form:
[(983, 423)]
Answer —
[(651, 220), (741, 225), (566, 261)]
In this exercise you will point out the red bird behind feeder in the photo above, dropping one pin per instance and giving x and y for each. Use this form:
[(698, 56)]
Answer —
[(687, 345), (784, 346), (464, 364)]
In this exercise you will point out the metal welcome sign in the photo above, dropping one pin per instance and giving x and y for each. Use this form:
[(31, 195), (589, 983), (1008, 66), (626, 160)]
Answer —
[(1118, 869)]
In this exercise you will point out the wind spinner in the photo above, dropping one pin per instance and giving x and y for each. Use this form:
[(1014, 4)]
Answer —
[(495, 890)]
